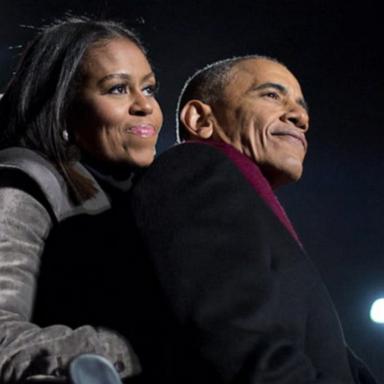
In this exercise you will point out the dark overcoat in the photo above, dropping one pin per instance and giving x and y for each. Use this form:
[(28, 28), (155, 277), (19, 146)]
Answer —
[(233, 297)]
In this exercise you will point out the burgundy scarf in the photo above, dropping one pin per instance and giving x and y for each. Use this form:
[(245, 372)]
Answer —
[(253, 174)]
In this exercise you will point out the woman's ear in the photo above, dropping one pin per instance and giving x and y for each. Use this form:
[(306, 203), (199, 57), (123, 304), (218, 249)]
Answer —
[(197, 119)]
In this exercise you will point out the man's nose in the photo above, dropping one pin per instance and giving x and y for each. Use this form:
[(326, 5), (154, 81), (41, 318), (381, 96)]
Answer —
[(298, 116), (141, 105)]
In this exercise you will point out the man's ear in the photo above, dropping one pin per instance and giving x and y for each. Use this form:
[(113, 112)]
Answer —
[(198, 119)]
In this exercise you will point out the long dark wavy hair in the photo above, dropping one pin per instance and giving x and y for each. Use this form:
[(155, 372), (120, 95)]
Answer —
[(33, 109)]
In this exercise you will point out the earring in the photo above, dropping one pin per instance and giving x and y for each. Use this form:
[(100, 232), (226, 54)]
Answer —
[(65, 135)]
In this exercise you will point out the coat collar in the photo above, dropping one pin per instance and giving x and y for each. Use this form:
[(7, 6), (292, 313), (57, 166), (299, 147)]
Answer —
[(52, 184), (253, 174)]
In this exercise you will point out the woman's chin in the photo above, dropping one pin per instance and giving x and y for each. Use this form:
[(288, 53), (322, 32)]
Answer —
[(142, 158)]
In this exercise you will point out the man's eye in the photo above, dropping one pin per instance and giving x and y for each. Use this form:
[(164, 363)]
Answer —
[(272, 95), (118, 89), (150, 90)]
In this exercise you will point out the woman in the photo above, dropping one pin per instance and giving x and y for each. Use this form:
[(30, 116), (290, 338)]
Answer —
[(77, 119)]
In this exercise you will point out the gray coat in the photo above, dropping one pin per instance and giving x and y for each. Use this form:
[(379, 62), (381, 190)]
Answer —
[(27, 348)]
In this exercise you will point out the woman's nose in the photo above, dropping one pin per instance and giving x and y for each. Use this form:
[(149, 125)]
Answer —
[(141, 105)]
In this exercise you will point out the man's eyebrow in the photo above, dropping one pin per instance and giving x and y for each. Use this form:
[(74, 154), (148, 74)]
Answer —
[(277, 86), (303, 103), (124, 76), (283, 90)]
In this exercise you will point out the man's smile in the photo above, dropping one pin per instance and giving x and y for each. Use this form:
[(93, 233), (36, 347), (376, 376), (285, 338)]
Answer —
[(292, 136)]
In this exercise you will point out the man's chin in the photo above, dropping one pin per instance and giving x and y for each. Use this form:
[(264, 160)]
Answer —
[(290, 172)]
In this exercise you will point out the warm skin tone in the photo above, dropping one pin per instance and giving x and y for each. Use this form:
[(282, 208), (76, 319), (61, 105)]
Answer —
[(262, 114), (115, 118)]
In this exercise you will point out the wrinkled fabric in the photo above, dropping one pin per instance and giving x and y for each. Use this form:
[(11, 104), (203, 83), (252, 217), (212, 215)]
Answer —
[(27, 349)]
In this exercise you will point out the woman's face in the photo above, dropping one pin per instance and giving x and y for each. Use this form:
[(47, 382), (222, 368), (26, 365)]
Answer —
[(115, 118)]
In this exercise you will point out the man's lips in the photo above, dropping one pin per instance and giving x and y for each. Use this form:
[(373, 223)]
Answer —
[(142, 130), (294, 135)]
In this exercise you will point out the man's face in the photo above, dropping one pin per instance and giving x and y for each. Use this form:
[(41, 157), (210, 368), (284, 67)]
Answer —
[(263, 115)]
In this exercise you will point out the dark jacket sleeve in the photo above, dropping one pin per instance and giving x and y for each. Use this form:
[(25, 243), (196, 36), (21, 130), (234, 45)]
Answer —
[(25, 348), (206, 233)]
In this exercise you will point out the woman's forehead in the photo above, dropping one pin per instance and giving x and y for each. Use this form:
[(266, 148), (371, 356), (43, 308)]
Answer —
[(114, 55)]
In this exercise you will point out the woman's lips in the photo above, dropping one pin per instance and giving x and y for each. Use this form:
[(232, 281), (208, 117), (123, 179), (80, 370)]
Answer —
[(142, 130)]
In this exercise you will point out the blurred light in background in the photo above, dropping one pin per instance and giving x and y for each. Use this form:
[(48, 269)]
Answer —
[(377, 311)]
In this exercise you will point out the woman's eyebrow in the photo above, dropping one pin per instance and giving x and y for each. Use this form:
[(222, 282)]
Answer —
[(148, 76), (124, 76)]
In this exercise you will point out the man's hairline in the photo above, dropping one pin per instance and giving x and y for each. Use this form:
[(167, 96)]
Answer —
[(228, 75), (224, 83)]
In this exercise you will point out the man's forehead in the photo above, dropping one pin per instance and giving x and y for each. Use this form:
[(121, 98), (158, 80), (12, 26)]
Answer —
[(259, 70)]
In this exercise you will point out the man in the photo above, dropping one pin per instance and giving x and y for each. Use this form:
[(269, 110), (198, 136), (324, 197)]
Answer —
[(233, 298)]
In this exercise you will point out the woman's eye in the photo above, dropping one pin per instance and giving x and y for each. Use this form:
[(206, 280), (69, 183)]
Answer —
[(150, 90), (118, 89)]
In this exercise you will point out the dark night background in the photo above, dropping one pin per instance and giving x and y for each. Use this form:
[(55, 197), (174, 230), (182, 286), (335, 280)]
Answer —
[(335, 49)]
